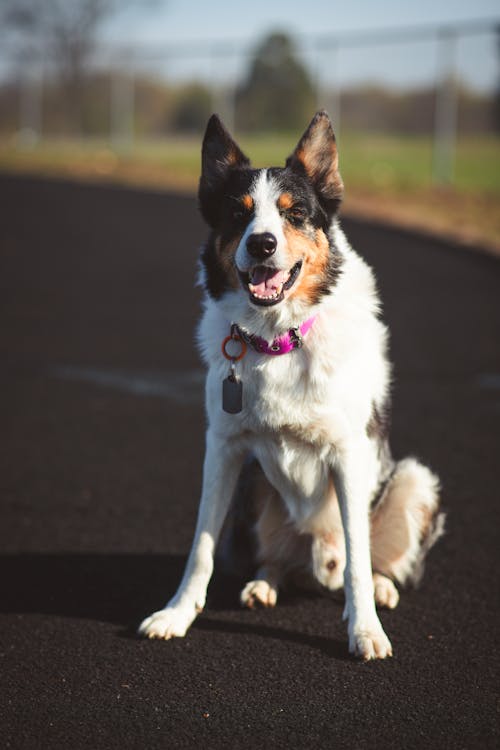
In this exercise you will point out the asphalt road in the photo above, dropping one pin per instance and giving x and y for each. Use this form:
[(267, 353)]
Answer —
[(100, 460)]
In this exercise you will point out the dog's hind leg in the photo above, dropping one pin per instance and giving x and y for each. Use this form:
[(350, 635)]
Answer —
[(384, 591), (263, 589), (404, 525), (280, 550), (239, 544)]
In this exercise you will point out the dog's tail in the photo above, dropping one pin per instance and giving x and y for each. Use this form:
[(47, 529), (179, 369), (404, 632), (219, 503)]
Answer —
[(406, 522)]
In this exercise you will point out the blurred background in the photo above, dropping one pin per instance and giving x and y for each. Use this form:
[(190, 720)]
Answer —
[(102, 89)]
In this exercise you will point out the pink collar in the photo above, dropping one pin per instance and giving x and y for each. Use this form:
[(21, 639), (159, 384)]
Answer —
[(292, 339)]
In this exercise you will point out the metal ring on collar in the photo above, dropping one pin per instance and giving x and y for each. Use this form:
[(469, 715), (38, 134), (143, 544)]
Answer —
[(240, 341)]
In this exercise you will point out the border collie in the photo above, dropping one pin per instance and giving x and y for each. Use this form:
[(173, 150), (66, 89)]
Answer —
[(297, 397)]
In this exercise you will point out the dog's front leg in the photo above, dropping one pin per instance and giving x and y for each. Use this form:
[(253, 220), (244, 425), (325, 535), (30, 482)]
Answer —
[(223, 462), (366, 635)]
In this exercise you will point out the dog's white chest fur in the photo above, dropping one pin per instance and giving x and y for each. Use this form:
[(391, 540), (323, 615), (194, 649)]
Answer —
[(298, 471), (290, 442)]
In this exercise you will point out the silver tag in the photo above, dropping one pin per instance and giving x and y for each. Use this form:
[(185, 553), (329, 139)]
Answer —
[(232, 395)]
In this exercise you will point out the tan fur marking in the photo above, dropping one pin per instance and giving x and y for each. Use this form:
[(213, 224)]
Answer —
[(310, 156), (285, 201), (427, 517), (403, 521), (332, 539), (232, 157), (247, 201), (310, 159), (315, 253), (302, 157), (311, 433)]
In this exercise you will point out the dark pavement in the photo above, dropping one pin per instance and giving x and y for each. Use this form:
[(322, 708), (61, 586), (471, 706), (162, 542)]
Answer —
[(102, 423)]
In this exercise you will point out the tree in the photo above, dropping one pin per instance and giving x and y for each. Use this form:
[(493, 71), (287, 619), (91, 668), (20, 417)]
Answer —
[(61, 31), (192, 109), (60, 35), (278, 93)]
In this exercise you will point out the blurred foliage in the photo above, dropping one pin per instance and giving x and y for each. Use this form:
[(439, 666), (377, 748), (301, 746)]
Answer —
[(162, 108), (60, 37), (63, 34), (278, 93), (379, 110), (193, 107)]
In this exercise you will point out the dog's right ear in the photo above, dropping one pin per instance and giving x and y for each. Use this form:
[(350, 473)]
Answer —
[(219, 155), (316, 156)]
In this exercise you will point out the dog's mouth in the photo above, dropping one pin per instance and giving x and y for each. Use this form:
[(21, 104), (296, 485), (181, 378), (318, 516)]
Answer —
[(267, 285)]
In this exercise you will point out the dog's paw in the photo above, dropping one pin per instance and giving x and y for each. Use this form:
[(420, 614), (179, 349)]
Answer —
[(259, 593), (386, 593), (370, 644), (171, 622)]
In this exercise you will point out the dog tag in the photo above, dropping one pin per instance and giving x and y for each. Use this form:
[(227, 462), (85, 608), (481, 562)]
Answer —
[(232, 395)]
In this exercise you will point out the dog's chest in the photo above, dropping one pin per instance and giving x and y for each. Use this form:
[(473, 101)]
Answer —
[(283, 393), (299, 471), (289, 430)]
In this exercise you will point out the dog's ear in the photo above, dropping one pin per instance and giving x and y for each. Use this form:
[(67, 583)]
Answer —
[(219, 155), (316, 155)]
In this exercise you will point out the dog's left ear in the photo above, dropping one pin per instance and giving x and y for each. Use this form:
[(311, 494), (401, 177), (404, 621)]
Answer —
[(219, 155), (316, 155)]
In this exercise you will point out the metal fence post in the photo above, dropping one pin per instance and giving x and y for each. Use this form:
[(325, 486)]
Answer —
[(445, 123), (122, 108), (30, 111)]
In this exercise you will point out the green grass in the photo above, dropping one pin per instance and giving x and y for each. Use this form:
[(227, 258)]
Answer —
[(381, 161), (377, 161), (384, 161), (478, 164)]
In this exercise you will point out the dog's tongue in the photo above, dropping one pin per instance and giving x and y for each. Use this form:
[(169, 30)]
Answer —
[(265, 281)]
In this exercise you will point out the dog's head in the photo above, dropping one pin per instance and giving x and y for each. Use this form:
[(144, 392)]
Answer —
[(270, 234)]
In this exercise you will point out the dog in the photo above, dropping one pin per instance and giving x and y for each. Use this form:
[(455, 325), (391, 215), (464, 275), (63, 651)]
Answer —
[(297, 397)]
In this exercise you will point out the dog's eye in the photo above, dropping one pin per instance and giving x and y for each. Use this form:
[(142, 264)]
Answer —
[(239, 212), (296, 215)]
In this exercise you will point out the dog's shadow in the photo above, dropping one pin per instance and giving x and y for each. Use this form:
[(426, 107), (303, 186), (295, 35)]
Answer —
[(105, 587), (121, 589), (330, 647)]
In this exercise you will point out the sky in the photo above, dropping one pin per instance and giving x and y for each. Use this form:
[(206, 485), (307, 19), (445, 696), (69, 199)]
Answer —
[(154, 26)]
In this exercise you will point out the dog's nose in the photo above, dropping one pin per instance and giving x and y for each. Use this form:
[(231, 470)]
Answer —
[(261, 245)]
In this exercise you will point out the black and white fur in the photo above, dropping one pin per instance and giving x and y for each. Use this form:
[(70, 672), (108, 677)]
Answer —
[(309, 449)]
